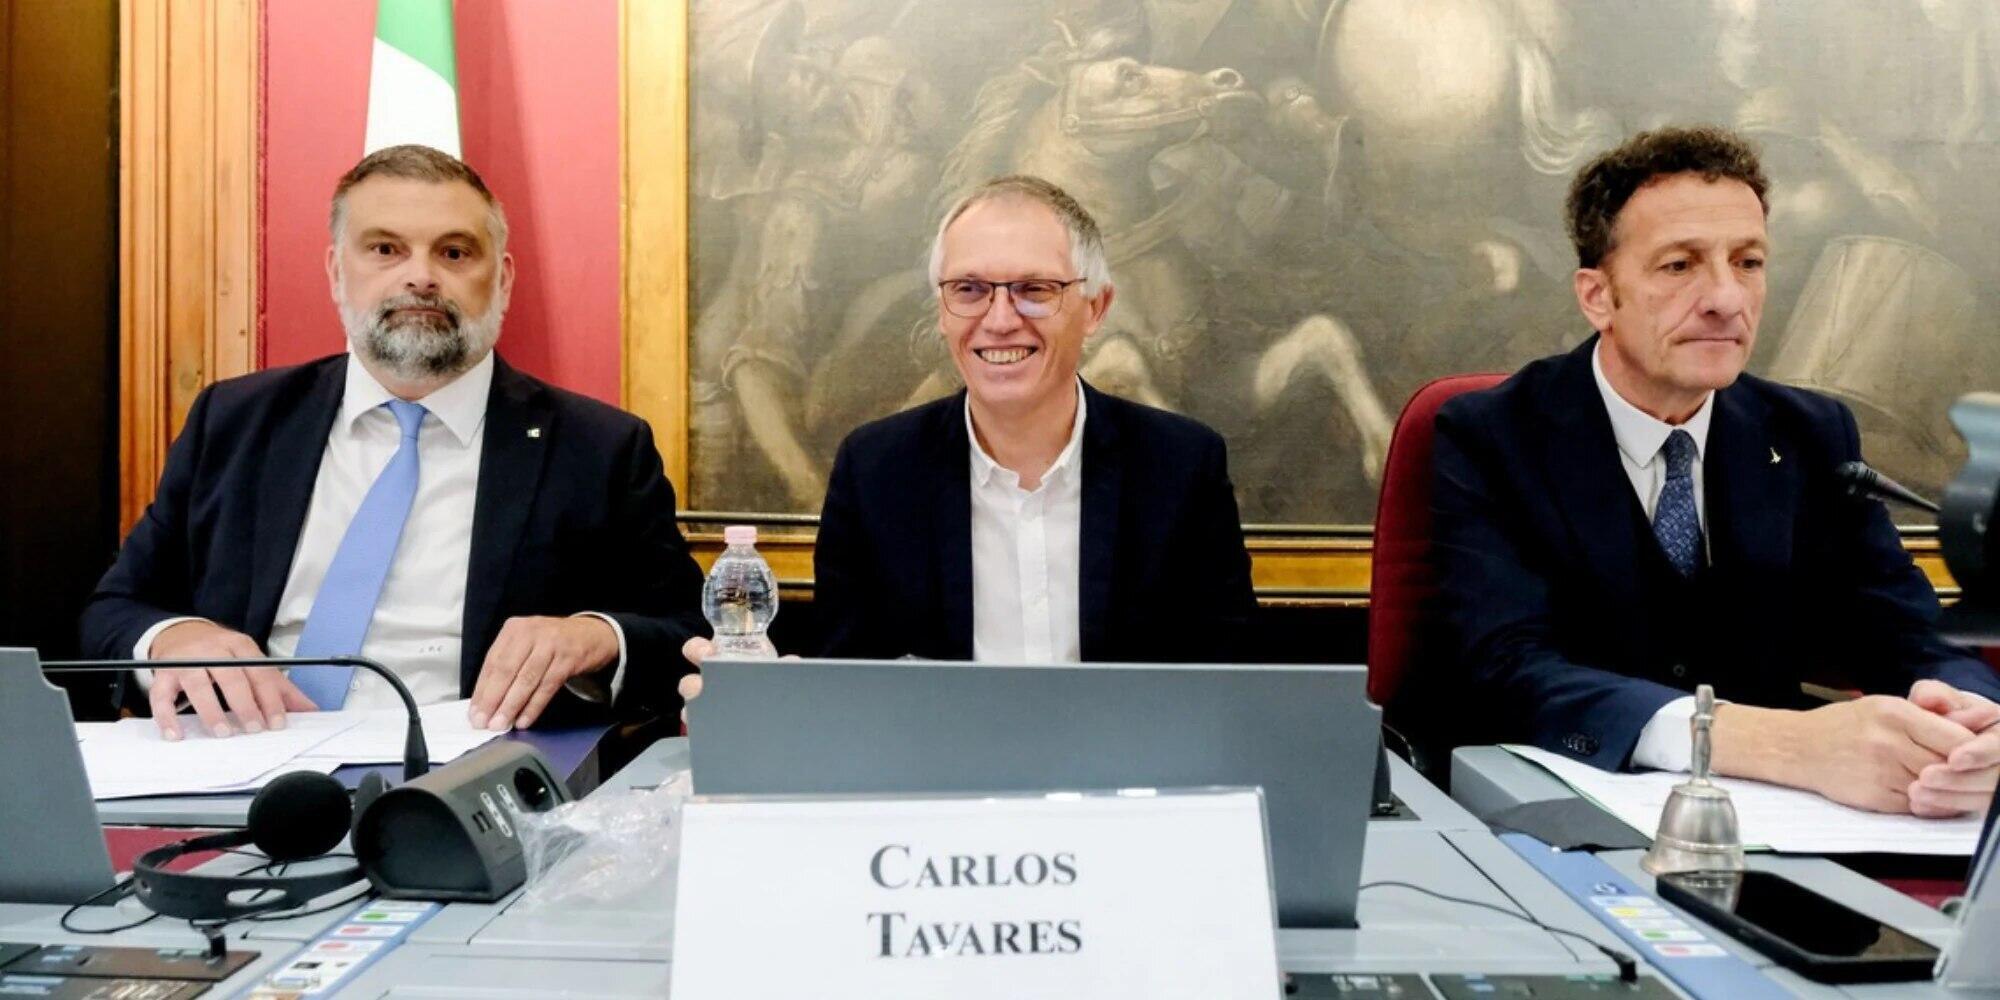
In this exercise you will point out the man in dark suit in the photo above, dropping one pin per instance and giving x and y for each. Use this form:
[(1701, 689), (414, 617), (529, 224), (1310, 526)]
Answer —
[(416, 500), (1620, 524), (1029, 517)]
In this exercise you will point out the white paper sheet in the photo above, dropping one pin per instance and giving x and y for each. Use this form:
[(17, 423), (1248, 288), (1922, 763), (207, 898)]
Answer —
[(1769, 816), (378, 736), (143, 788), (130, 757)]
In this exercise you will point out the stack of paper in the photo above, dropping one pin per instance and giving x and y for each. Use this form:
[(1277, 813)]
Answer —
[(377, 736), (1769, 816), (130, 758)]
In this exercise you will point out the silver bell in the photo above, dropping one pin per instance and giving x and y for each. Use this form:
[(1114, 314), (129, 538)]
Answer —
[(1698, 830)]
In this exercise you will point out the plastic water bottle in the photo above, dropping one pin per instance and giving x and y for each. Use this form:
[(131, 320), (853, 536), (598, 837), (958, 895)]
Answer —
[(741, 597)]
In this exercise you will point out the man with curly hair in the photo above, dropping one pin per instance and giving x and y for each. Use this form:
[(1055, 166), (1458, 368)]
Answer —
[(1619, 524)]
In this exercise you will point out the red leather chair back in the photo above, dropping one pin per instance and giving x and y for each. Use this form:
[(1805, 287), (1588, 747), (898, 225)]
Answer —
[(1403, 583)]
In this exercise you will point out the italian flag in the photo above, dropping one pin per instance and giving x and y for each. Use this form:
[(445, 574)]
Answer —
[(413, 81)]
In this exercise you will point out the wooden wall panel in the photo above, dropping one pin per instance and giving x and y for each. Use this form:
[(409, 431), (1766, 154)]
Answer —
[(653, 98), (188, 143)]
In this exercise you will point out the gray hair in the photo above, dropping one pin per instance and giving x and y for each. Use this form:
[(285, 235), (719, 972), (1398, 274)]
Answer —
[(1086, 245), (417, 163)]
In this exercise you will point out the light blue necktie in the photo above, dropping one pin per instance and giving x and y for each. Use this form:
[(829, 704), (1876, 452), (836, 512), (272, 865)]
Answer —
[(1675, 521), (345, 603)]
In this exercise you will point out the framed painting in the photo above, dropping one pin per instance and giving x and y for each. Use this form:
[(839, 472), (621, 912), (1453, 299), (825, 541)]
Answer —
[(1312, 208)]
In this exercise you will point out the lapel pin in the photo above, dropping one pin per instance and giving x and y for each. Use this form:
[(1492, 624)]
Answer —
[(535, 432), (1775, 457)]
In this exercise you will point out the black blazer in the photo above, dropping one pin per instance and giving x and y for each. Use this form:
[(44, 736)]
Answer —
[(1562, 638), (577, 516), (1165, 576)]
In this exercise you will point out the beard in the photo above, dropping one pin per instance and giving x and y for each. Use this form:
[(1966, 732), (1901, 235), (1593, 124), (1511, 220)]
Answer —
[(418, 346)]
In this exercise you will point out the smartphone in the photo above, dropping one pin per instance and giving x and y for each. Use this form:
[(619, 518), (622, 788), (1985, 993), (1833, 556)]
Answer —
[(1802, 930)]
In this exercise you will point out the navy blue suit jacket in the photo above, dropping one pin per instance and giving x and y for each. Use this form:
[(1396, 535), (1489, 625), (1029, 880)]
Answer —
[(1539, 539), (576, 517), (1164, 574)]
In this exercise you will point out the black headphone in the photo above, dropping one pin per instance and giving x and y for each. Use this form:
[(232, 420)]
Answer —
[(298, 816)]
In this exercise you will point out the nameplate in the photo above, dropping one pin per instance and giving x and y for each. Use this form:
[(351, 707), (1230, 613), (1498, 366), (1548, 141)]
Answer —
[(1062, 895), (1970, 962)]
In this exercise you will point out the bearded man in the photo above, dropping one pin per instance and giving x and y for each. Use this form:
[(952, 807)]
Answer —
[(415, 500)]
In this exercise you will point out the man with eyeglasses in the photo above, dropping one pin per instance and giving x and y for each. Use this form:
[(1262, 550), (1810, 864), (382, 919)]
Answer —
[(1030, 518)]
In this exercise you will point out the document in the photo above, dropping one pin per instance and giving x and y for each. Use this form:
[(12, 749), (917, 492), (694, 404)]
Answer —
[(1770, 817), (113, 788), (129, 758), (376, 737)]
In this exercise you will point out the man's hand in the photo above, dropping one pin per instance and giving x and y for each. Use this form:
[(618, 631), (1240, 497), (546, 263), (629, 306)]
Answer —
[(695, 650), (531, 660), (1865, 753), (1962, 782), (260, 696)]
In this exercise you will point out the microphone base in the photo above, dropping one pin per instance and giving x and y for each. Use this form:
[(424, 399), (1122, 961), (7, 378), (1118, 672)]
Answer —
[(450, 835)]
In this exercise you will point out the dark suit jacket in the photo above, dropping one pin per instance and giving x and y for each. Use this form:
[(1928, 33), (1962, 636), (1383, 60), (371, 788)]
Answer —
[(577, 517), (1165, 576), (1560, 640)]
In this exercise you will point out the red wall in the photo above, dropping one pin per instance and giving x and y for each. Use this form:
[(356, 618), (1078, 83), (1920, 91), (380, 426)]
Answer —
[(538, 111)]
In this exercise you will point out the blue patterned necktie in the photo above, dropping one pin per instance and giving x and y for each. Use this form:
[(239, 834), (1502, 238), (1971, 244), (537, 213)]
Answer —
[(1675, 521), (345, 603)]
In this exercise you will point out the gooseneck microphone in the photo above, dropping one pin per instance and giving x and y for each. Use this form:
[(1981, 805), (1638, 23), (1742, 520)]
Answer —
[(1863, 481), (416, 755)]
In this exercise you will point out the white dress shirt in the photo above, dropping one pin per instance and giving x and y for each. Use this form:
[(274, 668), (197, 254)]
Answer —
[(1025, 556), (418, 626), (1666, 742)]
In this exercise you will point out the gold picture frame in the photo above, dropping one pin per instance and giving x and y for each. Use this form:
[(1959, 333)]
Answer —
[(1315, 565)]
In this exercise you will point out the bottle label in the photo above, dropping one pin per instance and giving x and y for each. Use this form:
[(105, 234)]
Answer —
[(745, 646)]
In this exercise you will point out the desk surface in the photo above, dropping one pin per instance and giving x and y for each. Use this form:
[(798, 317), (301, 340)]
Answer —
[(491, 952), (1487, 780)]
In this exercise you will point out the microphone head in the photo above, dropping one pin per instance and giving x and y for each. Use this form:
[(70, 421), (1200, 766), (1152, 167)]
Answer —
[(299, 815), (1864, 482)]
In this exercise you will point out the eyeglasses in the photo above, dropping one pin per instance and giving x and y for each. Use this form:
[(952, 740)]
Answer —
[(1035, 298)]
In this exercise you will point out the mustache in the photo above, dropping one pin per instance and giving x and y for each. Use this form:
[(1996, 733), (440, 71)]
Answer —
[(385, 314)]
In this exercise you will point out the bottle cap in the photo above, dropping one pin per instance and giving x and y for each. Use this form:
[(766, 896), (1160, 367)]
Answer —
[(740, 534)]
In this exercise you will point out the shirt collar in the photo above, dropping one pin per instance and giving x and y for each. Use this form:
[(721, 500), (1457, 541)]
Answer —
[(984, 467), (460, 405), (1640, 435)]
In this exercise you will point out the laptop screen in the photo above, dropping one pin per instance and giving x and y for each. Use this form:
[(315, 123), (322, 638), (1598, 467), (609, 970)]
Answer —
[(1305, 734)]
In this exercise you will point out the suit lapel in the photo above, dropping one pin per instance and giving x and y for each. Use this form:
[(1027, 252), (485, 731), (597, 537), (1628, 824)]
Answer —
[(951, 514), (518, 426), (1750, 485), (295, 448), (1103, 481), (1580, 459)]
